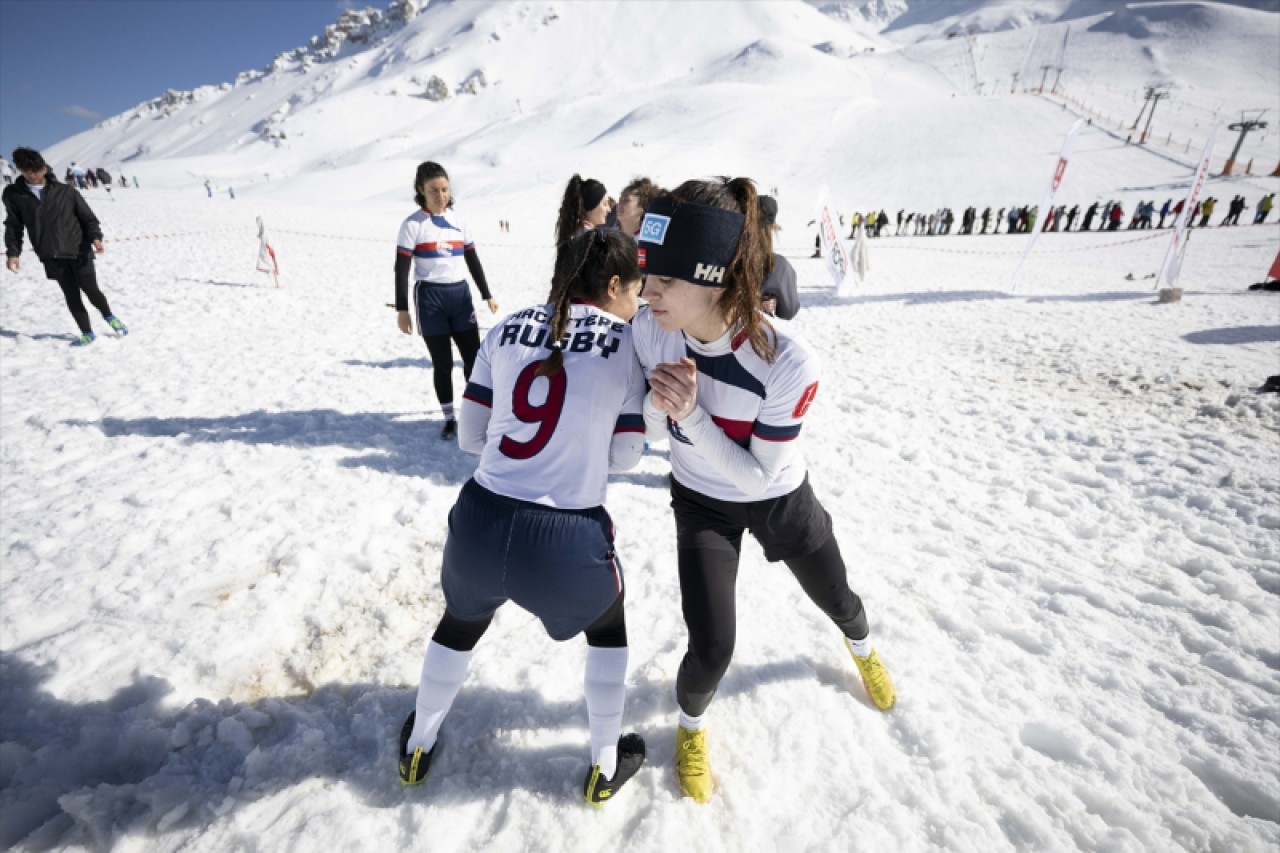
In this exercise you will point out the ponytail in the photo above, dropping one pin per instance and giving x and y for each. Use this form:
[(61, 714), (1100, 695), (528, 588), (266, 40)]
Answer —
[(584, 267), (571, 212)]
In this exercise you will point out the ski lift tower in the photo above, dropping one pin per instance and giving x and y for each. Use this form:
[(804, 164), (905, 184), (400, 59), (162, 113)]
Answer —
[(1244, 125)]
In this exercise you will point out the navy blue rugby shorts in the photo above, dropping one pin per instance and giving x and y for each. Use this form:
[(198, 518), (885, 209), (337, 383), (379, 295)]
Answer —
[(444, 309), (558, 564)]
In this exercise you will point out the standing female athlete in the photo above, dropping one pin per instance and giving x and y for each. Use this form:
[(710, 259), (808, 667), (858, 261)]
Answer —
[(434, 242), (731, 390), (585, 206), (554, 405)]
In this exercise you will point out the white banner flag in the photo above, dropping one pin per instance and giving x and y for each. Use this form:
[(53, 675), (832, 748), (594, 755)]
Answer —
[(1042, 217), (266, 254), (1173, 257), (833, 249)]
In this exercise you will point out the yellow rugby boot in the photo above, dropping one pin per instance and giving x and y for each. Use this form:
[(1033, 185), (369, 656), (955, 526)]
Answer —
[(693, 764), (875, 678)]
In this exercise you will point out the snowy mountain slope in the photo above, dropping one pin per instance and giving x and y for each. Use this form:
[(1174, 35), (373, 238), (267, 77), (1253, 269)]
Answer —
[(555, 85)]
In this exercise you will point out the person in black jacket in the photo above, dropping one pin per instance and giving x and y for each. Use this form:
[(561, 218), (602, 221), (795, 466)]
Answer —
[(778, 295), (64, 235)]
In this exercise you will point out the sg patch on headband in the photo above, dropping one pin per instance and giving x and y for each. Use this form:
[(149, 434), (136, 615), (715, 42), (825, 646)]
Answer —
[(654, 228)]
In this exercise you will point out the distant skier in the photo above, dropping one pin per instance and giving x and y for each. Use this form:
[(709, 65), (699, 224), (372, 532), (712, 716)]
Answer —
[(64, 235), (1071, 216), (1206, 210), (1165, 209)]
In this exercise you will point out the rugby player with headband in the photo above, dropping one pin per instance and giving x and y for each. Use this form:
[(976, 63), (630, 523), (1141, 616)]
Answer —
[(730, 390)]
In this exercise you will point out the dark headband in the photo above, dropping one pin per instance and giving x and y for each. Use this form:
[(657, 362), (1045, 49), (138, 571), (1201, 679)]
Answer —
[(593, 192), (692, 242)]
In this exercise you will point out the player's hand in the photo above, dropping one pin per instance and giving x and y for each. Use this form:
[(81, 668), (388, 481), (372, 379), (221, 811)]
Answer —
[(493, 305), (405, 322), (98, 247), (12, 264), (675, 388)]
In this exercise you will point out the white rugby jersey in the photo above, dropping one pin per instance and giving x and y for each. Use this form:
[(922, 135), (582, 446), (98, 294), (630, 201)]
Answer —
[(742, 442), (436, 244), (553, 440)]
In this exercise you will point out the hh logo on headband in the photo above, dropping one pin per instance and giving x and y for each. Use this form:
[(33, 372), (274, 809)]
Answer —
[(654, 228), (708, 273)]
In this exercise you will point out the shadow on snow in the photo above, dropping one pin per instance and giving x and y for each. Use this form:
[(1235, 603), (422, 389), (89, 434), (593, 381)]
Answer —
[(389, 442), (136, 766)]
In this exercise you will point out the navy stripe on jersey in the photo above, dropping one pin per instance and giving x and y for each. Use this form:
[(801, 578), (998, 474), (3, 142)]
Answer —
[(727, 369), (776, 433), (629, 423), (479, 394)]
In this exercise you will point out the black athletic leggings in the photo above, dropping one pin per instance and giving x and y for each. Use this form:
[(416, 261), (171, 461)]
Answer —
[(708, 576), (607, 632), (73, 278), (438, 346)]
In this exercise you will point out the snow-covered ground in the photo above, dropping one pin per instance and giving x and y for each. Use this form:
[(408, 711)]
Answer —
[(222, 537)]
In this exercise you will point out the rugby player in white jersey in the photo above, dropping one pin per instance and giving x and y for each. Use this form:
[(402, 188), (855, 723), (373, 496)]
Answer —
[(730, 390), (435, 246), (554, 404)]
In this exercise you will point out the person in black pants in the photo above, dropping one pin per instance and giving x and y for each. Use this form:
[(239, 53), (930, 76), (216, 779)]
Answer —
[(64, 235), (436, 246), (729, 391)]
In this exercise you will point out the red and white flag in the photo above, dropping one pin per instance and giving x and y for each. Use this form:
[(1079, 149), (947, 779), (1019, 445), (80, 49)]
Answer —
[(833, 250), (1047, 205), (1178, 246), (266, 254)]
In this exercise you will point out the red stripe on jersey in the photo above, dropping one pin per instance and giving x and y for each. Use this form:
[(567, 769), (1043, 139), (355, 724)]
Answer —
[(400, 250), (442, 244), (738, 339), (484, 403), (739, 431)]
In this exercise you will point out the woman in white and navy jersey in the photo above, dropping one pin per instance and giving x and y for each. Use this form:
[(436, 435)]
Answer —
[(584, 207), (730, 390), (435, 246), (554, 404)]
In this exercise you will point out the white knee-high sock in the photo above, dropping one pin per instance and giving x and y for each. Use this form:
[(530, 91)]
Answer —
[(443, 671), (606, 687)]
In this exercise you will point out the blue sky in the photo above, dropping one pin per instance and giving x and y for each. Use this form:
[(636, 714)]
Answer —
[(66, 64)]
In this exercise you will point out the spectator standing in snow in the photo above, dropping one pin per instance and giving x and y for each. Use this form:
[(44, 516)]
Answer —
[(530, 526), (1164, 211), (1206, 210), (1116, 215), (585, 206), (1264, 208), (64, 235), (208, 188), (779, 295), (1071, 216), (731, 390), (435, 245), (1234, 210)]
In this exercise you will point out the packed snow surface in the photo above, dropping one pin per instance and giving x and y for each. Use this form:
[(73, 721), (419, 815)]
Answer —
[(221, 534)]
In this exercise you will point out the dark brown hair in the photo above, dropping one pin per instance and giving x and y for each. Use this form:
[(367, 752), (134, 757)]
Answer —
[(744, 277), (643, 189), (584, 267), (428, 171)]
